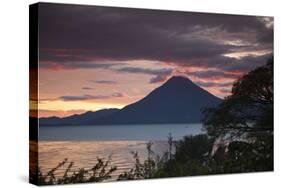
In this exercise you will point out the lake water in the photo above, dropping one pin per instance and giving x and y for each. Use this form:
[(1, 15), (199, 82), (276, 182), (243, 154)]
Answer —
[(83, 144)]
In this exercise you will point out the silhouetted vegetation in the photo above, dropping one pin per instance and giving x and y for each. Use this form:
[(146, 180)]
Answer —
[(99, 172), (245, 120), (140, 170), (248, 111)]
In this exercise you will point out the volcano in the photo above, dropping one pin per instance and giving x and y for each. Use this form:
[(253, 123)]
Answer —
[(178, 100)]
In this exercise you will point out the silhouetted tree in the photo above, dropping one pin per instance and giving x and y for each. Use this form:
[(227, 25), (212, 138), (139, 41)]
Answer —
[(245, 119), (248, 110)]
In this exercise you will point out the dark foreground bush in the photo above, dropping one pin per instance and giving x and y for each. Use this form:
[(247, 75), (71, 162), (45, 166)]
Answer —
[(200, 155), (98, 173)]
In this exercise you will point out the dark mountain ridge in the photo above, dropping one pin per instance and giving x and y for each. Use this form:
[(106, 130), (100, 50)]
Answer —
[(77, 119), (178, 100)]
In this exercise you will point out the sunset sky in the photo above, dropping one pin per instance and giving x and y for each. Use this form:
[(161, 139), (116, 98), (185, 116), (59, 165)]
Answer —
[(92, 58)]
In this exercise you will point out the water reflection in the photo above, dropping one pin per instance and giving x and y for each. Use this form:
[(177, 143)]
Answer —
[(85, 153)]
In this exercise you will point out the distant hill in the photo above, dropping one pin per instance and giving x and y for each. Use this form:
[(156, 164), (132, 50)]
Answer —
[(78, 119), (178, 100)]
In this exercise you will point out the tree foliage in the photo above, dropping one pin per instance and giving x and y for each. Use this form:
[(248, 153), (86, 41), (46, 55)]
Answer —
[(248, 111), (245, 119)]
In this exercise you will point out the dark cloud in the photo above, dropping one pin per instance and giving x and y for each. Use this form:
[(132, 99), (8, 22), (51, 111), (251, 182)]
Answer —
[(88, 97), (214, 84), (247, 63), (212, 74), (105, 82), (160, 75), (87, 88), (76, 35), (228, 67), (139, 70), (56, 65)]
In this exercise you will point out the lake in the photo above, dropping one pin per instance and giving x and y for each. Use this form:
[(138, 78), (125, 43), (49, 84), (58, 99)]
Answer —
[(83, 144)]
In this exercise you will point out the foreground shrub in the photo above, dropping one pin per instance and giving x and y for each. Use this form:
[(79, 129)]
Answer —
[(98, 173)]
